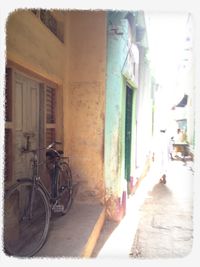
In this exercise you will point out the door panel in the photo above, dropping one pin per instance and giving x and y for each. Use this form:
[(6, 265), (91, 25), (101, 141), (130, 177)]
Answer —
[(26, 122)]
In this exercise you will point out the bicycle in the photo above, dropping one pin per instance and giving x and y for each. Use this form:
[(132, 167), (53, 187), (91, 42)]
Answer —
[(28, 204)]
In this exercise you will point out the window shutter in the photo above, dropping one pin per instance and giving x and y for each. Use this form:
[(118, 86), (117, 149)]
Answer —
[(8, 95), (50, 115), (50, 105), (8, 126)]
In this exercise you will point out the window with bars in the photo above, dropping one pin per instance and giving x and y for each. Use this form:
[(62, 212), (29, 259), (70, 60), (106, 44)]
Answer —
[(56, 27)]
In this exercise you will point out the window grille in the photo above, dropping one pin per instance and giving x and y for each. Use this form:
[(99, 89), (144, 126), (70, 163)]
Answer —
[(50, 22), (50, 105)]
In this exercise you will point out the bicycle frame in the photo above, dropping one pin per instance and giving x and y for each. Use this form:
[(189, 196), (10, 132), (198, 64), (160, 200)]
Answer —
[(52, 196), (34, 203)]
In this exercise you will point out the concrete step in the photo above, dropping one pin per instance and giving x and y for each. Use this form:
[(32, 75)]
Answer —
[(75, 234)]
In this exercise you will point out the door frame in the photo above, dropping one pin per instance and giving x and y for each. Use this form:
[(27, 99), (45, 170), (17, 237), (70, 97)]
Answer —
[(10, 125), (24, 102), (129, 97)]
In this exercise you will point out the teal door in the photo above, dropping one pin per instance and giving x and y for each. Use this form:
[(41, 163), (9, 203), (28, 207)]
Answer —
[(128, 131)]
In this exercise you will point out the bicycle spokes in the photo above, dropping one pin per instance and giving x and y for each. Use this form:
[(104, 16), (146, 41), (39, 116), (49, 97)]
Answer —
[(26, 220)]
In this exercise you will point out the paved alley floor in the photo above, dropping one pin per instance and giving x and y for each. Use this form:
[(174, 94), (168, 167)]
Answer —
[(165, 228), (159, 219), (69, 234)]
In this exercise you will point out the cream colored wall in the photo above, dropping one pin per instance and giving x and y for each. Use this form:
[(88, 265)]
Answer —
[(32, 45), (84, 99), (78, 66)]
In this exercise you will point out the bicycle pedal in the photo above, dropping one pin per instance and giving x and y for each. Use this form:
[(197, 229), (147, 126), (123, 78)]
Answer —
[(58, 208)]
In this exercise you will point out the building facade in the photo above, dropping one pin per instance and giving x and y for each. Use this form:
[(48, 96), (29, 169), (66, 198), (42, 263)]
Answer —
[(73, 76)]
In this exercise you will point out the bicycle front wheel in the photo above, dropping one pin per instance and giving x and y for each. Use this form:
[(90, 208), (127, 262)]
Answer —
[(26, 219)]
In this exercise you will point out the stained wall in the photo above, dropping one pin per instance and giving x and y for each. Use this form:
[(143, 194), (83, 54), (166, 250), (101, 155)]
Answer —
[(31, 44), (84, 100)]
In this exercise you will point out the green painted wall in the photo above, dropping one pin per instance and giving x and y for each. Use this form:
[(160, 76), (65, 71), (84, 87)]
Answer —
[(117, 49)]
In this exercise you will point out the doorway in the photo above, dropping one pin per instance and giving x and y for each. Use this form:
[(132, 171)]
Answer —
[(30, 121), (128, 131), (26, 122)]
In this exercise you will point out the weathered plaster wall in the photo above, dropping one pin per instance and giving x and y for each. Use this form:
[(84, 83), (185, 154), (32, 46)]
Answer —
[(114, 118), (32, 45), (78, 66), (84, 92), (118, 47)]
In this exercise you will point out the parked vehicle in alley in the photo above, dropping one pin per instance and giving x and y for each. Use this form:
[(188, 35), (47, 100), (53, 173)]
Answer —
[(28, 204)]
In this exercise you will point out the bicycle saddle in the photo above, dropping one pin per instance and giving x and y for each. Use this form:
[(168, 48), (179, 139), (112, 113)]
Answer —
[(52, 154)]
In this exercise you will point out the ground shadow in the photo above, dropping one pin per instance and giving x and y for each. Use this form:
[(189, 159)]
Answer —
[(108, 227)]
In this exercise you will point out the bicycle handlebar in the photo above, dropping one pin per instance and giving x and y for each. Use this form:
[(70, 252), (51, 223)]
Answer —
[(34, 151)]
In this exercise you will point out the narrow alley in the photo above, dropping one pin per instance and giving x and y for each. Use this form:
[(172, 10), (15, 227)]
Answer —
[(165, 227), (164, 224), (97, 104)]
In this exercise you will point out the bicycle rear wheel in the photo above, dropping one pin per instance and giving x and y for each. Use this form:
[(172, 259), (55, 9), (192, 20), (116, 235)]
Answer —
[(65, 187), (25, 225)]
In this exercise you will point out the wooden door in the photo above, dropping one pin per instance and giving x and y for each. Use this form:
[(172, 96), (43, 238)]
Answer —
[(26, 117), (128, 131)]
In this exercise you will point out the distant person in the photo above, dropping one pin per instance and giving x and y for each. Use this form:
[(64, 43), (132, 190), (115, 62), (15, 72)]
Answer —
[(171, 148), (178, 137), (164, 155)]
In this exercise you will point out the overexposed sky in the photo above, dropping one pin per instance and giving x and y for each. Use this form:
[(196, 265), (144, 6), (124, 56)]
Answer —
[(166, 39)]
